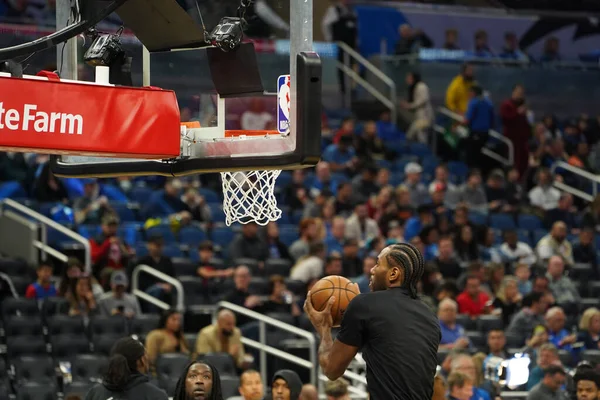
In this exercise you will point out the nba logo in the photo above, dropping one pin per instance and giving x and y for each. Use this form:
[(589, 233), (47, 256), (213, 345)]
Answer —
[(283, 104)]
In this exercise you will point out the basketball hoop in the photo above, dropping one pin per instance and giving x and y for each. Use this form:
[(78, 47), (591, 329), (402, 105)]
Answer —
[(249, 196)]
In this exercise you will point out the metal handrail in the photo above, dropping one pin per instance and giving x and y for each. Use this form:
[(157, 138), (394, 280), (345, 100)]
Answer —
[(493, 133), (47, 222), (162, 276), (389, 82), (368, 87), (577, 171), (264, 320), (11, 286)]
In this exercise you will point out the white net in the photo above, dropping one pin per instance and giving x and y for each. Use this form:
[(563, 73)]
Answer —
[(249, 196)]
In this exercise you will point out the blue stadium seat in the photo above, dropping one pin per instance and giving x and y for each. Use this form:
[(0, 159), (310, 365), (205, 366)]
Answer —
[(222, 236), (12, 189), (163, 230), (89, 231), (192, 236), (141, 250), (288, 235), (529, 222), (140, 194), (398, 146), (420, 150), (216, 210), (538, 234), (129, 233), (172, 250), (399, 165), (384, 164), (502, 222), (125, 213), (524, 236), (477, 218), (210, 196), (429, 163), (396, 178), (458, 171)]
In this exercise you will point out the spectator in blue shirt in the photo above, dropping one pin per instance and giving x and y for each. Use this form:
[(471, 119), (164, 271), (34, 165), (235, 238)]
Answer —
[(415, 224), (482, 49), (453, 334), (341, 157), (557, 334), (387, 129), (42, 288), (479, 119)]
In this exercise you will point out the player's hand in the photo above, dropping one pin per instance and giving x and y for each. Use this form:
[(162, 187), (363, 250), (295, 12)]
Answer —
[(319, 319)]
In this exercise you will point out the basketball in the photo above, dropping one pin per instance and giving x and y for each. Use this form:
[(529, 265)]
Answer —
[(338, 286)]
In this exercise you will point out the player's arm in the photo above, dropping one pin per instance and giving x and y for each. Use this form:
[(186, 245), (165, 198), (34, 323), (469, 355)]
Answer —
[(334, 356)]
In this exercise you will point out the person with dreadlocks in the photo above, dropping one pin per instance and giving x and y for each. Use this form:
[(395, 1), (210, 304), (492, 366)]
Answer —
[(200, 380), (127, 375), (396, 332)]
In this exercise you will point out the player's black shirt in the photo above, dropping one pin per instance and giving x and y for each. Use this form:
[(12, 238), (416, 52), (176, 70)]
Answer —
[(399, 338)]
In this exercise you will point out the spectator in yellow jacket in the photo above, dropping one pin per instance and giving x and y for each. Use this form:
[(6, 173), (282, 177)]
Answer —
[(457, 95)]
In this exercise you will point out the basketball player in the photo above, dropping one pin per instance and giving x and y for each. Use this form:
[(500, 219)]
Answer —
[(396, 332)]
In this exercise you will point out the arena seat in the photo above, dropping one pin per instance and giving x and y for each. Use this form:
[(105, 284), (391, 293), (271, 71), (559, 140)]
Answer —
[(486, 323), (223, 362), (23, 325), (35, 391), (592, 356), (18, 346), (230, 385), (250, 263), (142, 324), (168, 369), (259, 286), (594, 289), (64, 324), (66, 347), (88, 368), (286, 318), (114, 325), (39, 369), (277, 266), (478, 339), (502, 222), (184, 266), (55, 306), (103, 344), (529, 222), (192, 236), (19, 307)]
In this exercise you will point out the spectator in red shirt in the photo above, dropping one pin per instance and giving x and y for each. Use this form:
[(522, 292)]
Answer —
[(347, 129), (109, 253), (473, 301), (43, 287)]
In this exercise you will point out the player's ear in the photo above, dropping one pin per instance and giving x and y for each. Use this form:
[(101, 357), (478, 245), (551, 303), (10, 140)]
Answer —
[(394, 274)]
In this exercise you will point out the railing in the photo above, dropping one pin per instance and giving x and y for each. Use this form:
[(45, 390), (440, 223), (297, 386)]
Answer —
[(9, 281), (135, 276), (389, 101), (595, 180), (312, 364), (46, 223), (264, 349), (507, 161)]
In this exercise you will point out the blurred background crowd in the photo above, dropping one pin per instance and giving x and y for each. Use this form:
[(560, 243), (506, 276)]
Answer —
[(486, 162)]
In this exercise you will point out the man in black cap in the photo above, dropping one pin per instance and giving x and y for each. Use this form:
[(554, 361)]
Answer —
[(286, 385)]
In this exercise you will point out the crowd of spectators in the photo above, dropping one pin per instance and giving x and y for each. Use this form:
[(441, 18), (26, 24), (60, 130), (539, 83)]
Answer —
[(512, 262)]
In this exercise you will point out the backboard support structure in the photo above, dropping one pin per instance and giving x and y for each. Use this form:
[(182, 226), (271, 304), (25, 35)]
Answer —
[(212, 149)]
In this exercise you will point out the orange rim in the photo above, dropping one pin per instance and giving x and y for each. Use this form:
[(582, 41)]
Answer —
[(235, 133)]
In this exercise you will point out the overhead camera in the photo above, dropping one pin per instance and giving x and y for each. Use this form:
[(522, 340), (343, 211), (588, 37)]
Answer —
[(228, 34), (106, 49)]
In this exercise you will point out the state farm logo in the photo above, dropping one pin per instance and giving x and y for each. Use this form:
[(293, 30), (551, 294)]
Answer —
[(39, 121)]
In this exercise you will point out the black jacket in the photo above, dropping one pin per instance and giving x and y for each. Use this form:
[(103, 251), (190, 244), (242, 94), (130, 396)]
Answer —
[(138, 388)]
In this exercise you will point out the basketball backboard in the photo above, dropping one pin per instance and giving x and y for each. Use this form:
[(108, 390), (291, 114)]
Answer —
[(274, 124)]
